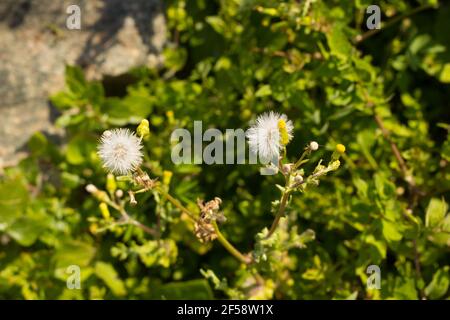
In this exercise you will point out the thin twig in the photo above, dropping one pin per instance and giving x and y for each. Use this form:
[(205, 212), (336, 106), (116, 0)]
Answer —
[(395, 150), (229, 247), (280, 213), (415, 193), (176, 203), (146, 229), (368, 34)]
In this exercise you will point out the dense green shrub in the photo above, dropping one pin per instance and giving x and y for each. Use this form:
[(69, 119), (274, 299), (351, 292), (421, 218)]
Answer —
[(383, 94)]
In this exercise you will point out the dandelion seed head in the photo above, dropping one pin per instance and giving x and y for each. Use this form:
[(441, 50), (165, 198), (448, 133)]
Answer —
[(120, 151), (264, 136)]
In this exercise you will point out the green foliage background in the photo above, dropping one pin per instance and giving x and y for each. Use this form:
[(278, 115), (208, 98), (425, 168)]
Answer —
[(228, 61)]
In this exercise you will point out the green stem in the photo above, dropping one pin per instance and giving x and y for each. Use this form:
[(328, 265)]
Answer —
[(128, 220), (225, 243), (146, 229), (175, 202), (299, 161), (280, 213), (228, 246)]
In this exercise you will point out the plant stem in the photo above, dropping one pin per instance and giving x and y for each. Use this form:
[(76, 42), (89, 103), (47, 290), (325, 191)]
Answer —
[(127, 219), (228, 246), (285, 196), (415, 192), (280, 213), (391, 22), (146, 229), (176, 203), (225, 243), (299, 161), (418, 268)]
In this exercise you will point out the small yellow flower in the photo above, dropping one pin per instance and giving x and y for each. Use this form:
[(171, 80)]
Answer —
[(284, 135), (340, 148), (167, 176), (338, 151)]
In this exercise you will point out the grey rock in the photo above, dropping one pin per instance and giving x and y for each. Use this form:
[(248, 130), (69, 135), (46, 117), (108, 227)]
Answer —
[(35, 46)]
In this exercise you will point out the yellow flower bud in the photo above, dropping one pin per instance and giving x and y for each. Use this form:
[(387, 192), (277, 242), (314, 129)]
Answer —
[(340, 148), (100, 195), (170, 116), (93, 228), (167, 176), (111, 184), (104, 210), (143, 129)]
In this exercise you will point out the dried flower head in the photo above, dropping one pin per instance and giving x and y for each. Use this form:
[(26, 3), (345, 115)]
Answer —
[(204, 231), (120, 151), (210, 209), (209, 212), (269, 134)]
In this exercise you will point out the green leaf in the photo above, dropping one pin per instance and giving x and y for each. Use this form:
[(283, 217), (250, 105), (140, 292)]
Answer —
[(216, 23), (405, 289), (438, 286), (446, 149), (366, 140), (444, 75), (75, 80), (338, 42), (13, 200), (80, 149), (352, 296), (175, 58), (38, 144), (192, 290), (63, 100), (70, 180), (361, 186), (435, 212), (26, 230), (137, 105), (73, 253), (263, 91), (390, 231), (384, 187), (106, 272)]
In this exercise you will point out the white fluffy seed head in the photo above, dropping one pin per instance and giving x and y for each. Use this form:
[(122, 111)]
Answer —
[(313, 145), (264, 135), (120, 151)]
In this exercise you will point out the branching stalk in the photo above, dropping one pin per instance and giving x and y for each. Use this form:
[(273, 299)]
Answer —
[(228, 246), (280, 213)]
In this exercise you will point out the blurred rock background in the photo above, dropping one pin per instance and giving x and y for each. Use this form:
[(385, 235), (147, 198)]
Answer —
[(35, 46)]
